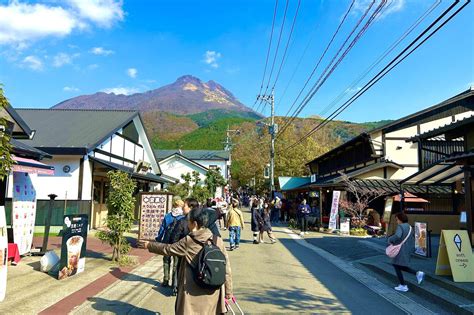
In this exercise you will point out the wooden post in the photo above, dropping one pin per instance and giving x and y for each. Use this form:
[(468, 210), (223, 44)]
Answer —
[(468, 198)]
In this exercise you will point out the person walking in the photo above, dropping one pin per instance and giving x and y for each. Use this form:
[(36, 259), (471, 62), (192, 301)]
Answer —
[(235, 223), (404, 235), (266, 225), (303, 212), (165, 236), (255, 220), (276, 210), (193, 298)]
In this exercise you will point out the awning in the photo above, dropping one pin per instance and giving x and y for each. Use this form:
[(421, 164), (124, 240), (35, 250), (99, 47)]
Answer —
[(292, 183), (31, 166), (440, 173), (147, 176), (408, 197)]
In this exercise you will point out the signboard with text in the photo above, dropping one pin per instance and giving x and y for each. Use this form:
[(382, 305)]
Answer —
[(455, 256), (73, 245), (153, 207), (334, 209)]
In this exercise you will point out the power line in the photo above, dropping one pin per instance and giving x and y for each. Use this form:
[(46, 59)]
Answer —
[(386, 69)]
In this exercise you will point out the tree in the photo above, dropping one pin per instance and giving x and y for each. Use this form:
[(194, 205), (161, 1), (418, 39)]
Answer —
[(120, 205), (213, 180), (6, 160), (358, 200)]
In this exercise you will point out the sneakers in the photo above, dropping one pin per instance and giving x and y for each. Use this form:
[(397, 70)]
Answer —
[(231, 248), (273, 241), (236, 247), (255, 241), (420, 275), (401, 288)]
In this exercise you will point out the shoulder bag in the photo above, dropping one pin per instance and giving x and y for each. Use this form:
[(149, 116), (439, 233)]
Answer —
[(393, 250)]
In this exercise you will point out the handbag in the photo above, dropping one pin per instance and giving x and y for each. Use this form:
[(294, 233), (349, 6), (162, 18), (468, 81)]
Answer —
[(393, 250)]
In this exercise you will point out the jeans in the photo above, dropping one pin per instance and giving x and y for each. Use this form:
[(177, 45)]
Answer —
[(304, 223), (234, 236), (399, 269), (167, 268)]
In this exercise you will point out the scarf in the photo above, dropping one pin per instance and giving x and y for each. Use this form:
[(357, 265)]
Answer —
[(176, 212)]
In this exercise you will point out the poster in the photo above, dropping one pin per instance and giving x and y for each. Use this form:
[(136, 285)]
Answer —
[(3, 253), (421, 239), (345, 225), (73, 246), (455, 256), (153, 207), (334, 209), (23, 211)]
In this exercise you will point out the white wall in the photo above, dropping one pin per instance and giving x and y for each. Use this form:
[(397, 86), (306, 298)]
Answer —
[(176, 166), (221, 164)]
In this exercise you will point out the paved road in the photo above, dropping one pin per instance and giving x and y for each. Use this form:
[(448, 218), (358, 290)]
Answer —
[(282, 278)]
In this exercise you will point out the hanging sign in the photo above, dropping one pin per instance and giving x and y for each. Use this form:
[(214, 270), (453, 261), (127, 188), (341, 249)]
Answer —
[(334, 209), (153, 207), (3, 253), (73, 246), (421, 239), (455, 256), (23, 211)]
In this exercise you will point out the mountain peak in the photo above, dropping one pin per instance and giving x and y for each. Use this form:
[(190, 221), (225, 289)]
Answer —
[(188, 79)]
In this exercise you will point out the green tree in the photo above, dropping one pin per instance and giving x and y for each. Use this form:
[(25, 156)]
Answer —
[(213, 180), (6, 160), (120, 205)]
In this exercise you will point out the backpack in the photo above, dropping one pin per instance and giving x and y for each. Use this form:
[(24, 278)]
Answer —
[(210, 270), (168, 234)]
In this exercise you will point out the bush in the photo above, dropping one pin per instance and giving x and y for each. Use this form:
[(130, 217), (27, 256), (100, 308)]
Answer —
[(359, 232)]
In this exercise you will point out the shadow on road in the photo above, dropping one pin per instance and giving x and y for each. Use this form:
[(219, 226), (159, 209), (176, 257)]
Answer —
[(117, 307)]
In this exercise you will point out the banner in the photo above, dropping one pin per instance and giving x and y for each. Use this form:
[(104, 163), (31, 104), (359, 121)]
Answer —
[(23, 211), (3, 254), (334, 209), (421, 239), (455, 256), (153, 207), (73, 246)]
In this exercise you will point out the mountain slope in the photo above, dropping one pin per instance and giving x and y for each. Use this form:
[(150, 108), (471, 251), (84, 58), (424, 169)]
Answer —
[(187, 95)]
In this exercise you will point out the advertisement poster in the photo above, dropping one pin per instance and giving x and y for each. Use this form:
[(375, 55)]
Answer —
[(3, 253), (334, 209), (455, 256), (73, 246), (153, 207), (421, 239), (345, 225), (23, 211)]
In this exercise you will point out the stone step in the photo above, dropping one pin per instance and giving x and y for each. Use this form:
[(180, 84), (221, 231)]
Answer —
[(432, 291)]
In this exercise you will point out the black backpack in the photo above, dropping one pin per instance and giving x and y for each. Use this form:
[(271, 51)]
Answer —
[(168, 234), (210, 269)]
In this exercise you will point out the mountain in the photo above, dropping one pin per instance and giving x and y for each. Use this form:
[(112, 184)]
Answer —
[(187, 95)]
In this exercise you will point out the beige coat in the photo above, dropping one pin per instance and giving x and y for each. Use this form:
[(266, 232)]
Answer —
[(192, 299), (235, 218)]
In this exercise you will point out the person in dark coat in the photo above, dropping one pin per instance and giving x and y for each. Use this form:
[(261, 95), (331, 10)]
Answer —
[(256, 219), (265, 224), (401, 262), (304, 211)]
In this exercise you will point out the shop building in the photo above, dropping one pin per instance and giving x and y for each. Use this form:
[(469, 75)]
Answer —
[(84, 146)]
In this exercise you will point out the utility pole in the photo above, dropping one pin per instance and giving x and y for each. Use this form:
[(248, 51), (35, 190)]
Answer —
[(273, 129)]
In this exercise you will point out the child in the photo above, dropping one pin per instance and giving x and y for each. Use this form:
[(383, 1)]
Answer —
[(235, 223)]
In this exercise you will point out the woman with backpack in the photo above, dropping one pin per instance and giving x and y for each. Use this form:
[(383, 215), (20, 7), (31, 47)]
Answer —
[(193, 295), (165, 236), (404, 236)]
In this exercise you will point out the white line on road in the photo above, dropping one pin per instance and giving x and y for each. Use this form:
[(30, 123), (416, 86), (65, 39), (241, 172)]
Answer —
[(399, 300)]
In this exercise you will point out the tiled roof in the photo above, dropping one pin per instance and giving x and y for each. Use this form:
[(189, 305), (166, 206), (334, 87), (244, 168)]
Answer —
[(194, 154)]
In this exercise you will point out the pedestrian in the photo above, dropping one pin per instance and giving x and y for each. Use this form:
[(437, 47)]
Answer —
[(316, 213), (235, 223), (265, 224), (303, 212), (404, 235), (193, 298), (255, 220), (277, 209), (165, 236)]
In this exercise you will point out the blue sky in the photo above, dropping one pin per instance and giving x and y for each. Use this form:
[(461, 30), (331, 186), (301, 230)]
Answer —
[(54, 50)]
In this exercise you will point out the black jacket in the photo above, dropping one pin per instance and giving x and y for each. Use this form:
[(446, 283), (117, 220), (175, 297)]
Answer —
[(181, 229)]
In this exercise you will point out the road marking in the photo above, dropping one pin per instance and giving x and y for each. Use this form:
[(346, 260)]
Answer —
[(399, 300)]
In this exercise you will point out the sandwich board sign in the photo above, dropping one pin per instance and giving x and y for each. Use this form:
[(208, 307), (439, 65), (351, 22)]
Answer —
[(455, 256)]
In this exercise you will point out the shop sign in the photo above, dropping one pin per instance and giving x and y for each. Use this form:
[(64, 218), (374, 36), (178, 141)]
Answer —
[(334, 209), (421, 239), (23, 211), (345, 225), (153, 207), (455, 256), (73, 246), (3, 253)]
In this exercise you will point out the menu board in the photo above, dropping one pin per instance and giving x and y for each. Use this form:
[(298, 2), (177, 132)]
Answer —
[(153, 207), (421, 239), (23, 211), (73, 246), (3, 253)]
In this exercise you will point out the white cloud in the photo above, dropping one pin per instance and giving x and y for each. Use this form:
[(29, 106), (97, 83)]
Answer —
[(27, 22), (121, 90), (33, 62), (132, 73), (70, 89), (102, 12), (211, 57), (93, 66), (100, 51), (62, 59)]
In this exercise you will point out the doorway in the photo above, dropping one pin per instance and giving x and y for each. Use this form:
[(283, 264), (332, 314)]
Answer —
[(101, 190)]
